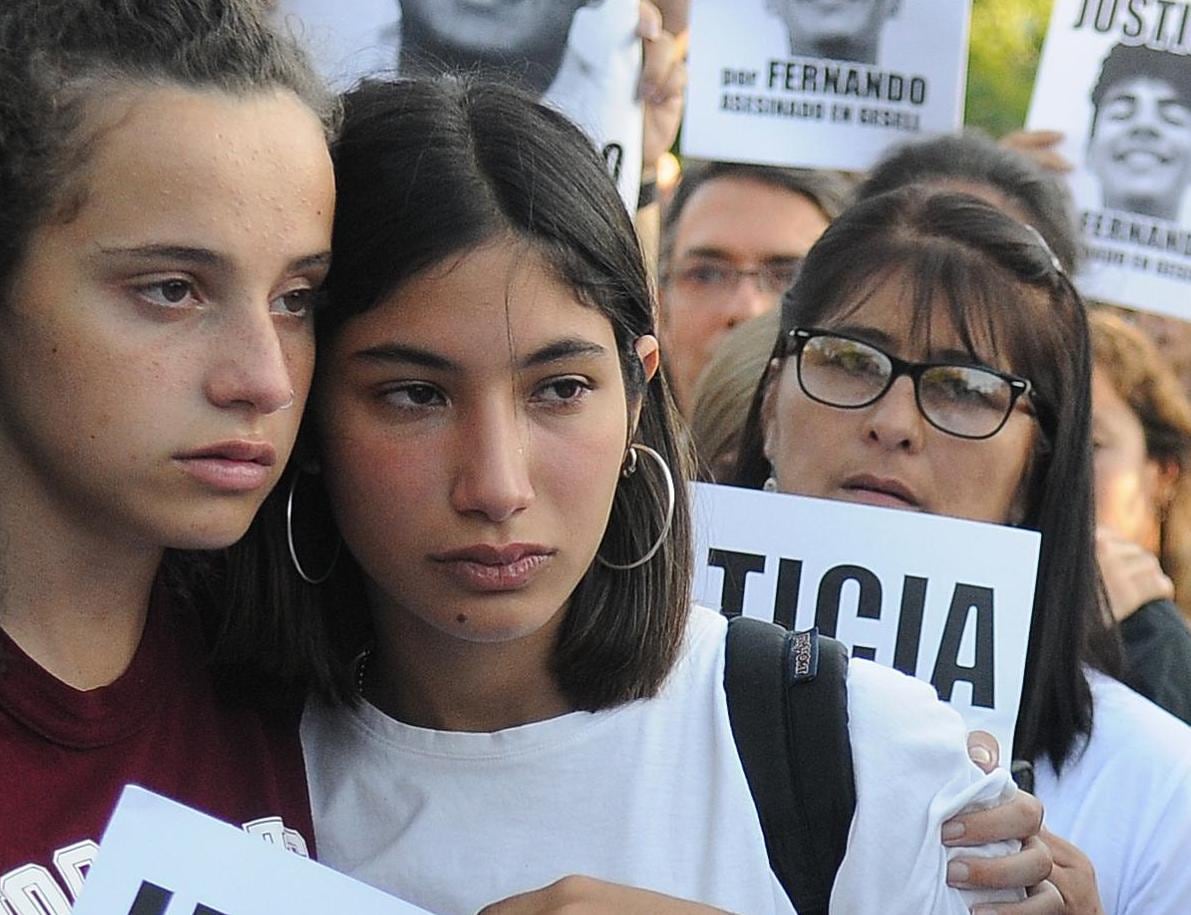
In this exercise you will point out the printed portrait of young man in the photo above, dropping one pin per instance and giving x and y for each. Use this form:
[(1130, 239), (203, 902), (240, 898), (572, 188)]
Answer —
[(835, 29), (521, 40), (1139, 142)]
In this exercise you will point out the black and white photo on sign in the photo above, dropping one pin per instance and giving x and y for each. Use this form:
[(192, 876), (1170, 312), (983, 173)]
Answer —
[(1139, 135), (941, 599), (580, 56), (1115, 79), (822, 83), (835, 29)]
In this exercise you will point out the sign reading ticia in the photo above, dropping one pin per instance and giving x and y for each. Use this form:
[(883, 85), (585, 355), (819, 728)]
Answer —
[(944, 600)]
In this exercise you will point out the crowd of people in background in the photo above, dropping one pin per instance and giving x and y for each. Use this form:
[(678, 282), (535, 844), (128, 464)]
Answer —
[(420, 607)]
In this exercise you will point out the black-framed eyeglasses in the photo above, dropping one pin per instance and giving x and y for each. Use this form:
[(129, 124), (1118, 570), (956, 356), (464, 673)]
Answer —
[(968, 401), (716, 278)]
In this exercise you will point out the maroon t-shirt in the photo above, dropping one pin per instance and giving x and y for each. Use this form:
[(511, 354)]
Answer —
[(65, 755)]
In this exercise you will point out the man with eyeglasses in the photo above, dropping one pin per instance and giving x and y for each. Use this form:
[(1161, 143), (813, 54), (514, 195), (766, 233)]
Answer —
[(732, 241)]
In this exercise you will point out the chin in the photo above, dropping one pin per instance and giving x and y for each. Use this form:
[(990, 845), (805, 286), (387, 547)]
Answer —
[(210, 533)]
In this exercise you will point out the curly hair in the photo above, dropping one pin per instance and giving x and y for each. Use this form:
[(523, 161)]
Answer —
[(1134, 368)]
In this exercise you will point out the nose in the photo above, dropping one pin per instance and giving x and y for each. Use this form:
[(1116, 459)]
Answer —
[(492, 480), (1147, 118), (894, 421), (250, 368), (747, 300)]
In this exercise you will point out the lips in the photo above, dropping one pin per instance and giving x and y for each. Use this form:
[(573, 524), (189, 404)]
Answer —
[(887, 491), (493, 568), (1141, 157), (238, 465)]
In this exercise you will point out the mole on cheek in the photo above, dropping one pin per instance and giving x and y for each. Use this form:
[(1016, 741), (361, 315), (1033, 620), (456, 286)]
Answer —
[(461, 619)]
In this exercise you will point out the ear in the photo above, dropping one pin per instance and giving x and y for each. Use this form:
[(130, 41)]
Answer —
[(650, 354), (1162, 476)]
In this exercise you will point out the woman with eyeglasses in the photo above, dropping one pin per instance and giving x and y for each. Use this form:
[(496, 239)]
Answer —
[(933, 356)]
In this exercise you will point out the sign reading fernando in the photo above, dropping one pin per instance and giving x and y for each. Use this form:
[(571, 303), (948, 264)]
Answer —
[(822, 83), (944, 600)]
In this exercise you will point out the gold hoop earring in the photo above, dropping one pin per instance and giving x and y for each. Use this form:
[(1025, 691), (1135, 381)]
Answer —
[(630, 468), (289, 539)]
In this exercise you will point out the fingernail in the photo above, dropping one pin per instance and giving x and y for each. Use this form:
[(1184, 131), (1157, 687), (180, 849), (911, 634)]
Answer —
[(957, 873), (980, 755), (650, 29), (953, 829)]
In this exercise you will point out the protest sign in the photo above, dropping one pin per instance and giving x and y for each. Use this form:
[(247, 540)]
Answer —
[(829, 84), (158, 857), (1115, 78), (944, 600), (583, 59)]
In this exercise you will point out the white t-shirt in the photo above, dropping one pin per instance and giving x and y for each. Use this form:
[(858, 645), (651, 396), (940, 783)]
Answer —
[(650, 794), (1126, 802)]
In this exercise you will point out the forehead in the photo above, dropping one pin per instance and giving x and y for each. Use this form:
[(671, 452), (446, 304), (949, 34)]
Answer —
[(918, 322), (206, 167), (747, 220), (481, 306), (819, 8), (1144, 86)]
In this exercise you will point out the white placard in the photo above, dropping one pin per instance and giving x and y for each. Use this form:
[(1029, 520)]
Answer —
[(594, 82), (762, 89), (159, 857), (1127, 121), (945, 600)]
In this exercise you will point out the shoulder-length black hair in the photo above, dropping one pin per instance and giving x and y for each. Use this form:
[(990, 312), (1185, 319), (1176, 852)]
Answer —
[(1005, 291), (428, 169)]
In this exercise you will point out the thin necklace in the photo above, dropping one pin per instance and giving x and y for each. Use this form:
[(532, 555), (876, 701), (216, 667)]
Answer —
[(362, 671)]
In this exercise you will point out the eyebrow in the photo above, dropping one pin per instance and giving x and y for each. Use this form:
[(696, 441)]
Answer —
[(556, 351), (886, 341), (721, 255), (205, 257)]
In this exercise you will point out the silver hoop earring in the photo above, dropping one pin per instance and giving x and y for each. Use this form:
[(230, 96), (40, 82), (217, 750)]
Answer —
[(289, 539), (668, 478)]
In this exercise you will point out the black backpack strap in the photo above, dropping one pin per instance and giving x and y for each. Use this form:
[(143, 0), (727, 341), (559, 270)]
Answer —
[(788, 707)]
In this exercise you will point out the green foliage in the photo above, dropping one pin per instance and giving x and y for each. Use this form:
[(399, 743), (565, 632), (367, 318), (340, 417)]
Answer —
[(1006, 41)]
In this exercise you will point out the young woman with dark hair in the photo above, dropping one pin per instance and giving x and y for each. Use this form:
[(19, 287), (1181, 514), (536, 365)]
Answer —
[(168, 196), (992, 423), (511, 684)]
